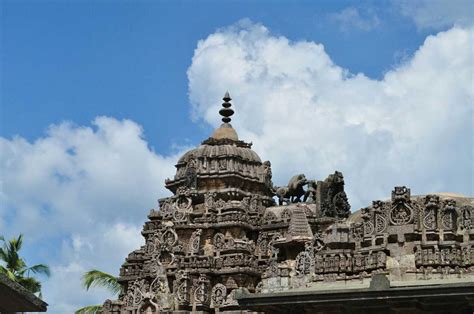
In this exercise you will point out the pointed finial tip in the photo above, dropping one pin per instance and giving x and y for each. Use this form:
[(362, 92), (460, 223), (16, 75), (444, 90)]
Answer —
[(226, 111)]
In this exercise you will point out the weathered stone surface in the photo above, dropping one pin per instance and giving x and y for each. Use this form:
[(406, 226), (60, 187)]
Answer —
[(222, 232), (15, 298)]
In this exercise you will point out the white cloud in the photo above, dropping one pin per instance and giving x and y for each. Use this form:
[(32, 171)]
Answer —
[(84, 193), (105, 248), (437, 14), (351, 19), (306, 114), (92, 187), (76, 176)]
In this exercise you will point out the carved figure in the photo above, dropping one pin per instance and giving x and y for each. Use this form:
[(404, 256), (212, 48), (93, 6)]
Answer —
[(431, 211), (194, 242), (267, 174), (201, 290), (218, 295), (190, 173), (401, 212), (449, 214), (466, 217), (293, 191), (311, 191), (334, 201)]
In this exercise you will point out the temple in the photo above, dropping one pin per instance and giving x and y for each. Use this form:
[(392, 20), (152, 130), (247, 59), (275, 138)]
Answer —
[(230, 241)]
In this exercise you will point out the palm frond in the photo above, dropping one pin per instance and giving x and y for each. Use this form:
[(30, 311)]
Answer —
[(97, 278), (91, 309), (3, 255), (9, 254), (17, 243), (30, 283), (15, 267), (8, 273), (40, 269)]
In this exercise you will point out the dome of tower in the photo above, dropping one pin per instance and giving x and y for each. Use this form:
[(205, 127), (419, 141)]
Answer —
[(221, 158)]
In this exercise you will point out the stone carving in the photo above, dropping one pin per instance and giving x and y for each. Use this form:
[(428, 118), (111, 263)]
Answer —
[(254, 204), (401, 212), (430, 216), (368, 224), (219, 240), (153, 243), (169, 237), (218, 295), (191, 173), (466, 217), (285, 214), (267, 174), (380, 216), (209, 201), (166, 208), (293, 191), (183, 203), (318, 242), (194, 242), (262, 245), (180, 216), (272, 270), (304, 263), (222, 164), (334, 202), (201, 290), (357, 231), (142, 293), (223, 196), (449, 212), (259, 287), (181, 287), (374, 219), (269, 217)]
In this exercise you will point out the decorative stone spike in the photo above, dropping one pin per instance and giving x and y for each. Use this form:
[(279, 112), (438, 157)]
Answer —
[(226, 111)]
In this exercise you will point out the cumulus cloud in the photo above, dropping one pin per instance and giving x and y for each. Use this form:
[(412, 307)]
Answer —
[(437, 14), (104, 248), (307, 114), (351, 19), (82, 192)]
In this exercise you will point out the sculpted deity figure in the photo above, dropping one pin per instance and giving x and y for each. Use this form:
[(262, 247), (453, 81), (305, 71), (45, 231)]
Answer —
[(267, 174)]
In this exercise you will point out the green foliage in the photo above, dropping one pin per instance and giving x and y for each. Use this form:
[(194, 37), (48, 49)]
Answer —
[(15, 267), (97, 278), (91, 309)]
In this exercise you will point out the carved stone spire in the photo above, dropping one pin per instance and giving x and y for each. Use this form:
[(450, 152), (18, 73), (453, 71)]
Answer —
[(226, 111), (299, 228), (226, 130)]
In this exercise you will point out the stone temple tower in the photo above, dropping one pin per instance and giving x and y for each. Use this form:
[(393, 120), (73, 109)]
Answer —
[(220, 243), (200, 244)]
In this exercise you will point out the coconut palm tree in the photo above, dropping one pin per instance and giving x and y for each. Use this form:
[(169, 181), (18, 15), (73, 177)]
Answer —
[(15, 267), (97, 278)]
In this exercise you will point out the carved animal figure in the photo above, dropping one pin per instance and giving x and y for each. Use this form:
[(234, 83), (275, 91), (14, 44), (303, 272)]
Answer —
[(294, 191), (335, 203)]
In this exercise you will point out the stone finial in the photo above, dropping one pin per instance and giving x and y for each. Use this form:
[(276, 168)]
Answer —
[(226, 111)]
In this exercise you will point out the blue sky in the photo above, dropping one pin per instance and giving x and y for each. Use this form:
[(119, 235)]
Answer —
[(98, 99), (74, 60)]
